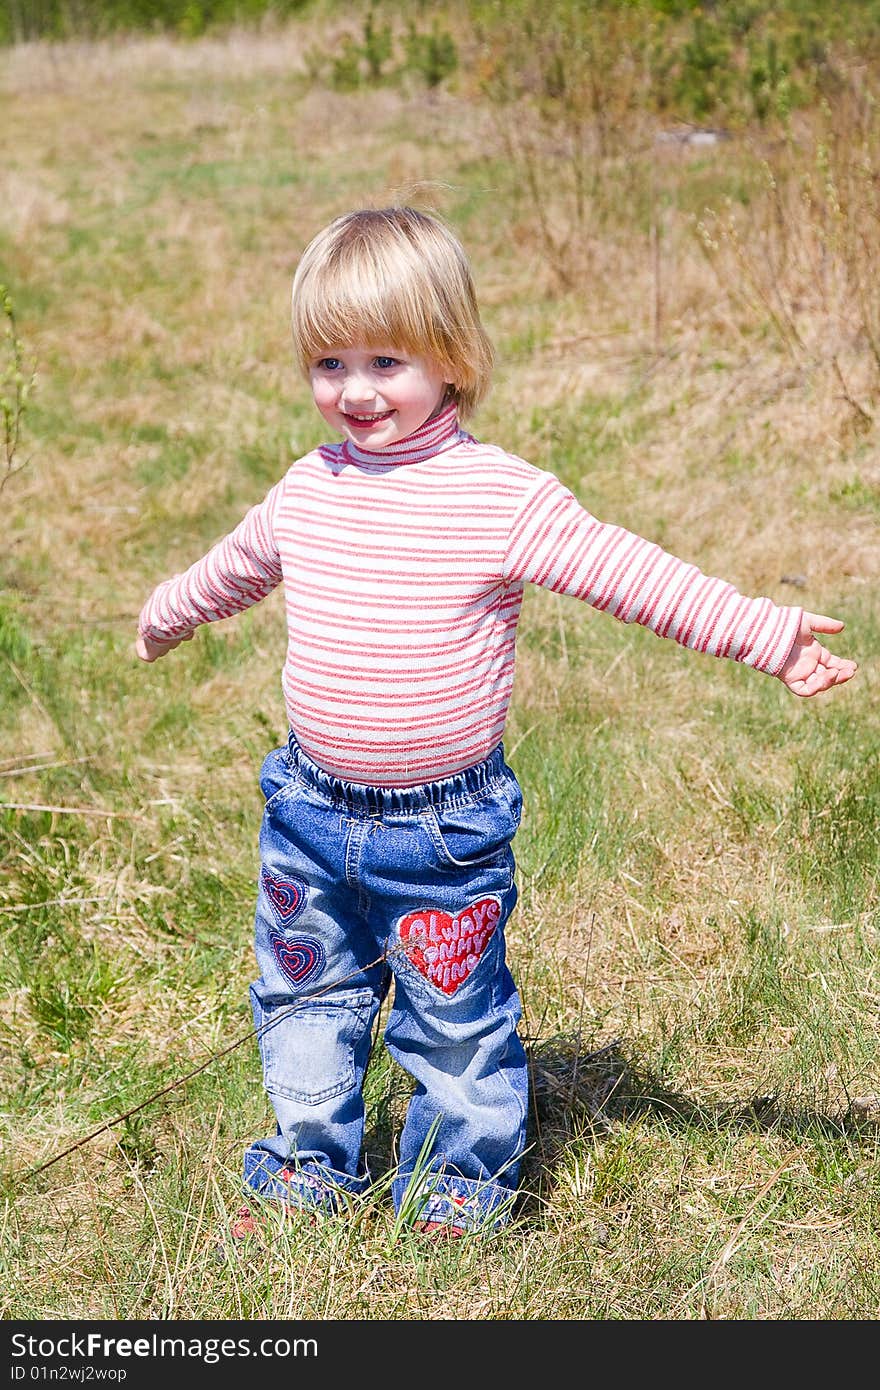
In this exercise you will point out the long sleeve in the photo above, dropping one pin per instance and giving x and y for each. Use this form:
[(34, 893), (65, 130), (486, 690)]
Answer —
[(555, 543), (237, 572)]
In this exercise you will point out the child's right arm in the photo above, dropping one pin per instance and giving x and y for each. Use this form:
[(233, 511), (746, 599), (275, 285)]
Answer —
[(237, 572), (148, 650)]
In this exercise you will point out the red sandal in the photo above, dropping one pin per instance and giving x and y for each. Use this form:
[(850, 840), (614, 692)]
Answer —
[(439, 1230)]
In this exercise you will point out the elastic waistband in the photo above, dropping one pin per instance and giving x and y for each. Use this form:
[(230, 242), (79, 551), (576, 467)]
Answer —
[(377, 801)]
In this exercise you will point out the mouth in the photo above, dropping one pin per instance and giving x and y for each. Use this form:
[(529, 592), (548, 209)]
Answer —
[(365, 420)]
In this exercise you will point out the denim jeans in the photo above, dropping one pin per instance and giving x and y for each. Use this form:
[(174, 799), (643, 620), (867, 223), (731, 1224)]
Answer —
[(360, 884)]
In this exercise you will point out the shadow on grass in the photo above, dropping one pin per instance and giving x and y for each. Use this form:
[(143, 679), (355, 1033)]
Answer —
[(578, 1094)]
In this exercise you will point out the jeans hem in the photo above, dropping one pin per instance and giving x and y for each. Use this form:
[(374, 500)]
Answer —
[(299, 1185), (470, 1204)]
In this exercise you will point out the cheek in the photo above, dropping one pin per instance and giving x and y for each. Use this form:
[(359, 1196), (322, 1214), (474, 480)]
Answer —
[(420, 396), (324, 394)]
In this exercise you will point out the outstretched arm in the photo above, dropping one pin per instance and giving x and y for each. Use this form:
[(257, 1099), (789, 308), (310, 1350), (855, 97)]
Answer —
[(237, 572), (556, 543), (810, 668)]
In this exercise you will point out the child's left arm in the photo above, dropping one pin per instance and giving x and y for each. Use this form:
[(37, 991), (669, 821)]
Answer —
[(556, 543), (810, 667)]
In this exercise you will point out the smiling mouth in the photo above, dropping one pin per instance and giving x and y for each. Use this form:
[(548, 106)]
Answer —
[(368, 419)]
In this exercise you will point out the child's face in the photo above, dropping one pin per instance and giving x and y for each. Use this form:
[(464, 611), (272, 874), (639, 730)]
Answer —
[(376, 395)]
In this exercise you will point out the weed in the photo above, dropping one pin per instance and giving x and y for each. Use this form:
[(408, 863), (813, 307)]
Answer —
[(16, 384), (432, 54), (812, 232)]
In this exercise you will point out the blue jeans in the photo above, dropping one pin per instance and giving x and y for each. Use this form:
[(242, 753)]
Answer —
[(359, 884)]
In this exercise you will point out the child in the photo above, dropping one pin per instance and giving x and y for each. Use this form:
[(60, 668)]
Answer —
[(389, 814)]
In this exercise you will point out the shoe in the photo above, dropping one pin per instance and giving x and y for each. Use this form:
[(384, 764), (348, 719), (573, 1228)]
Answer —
[(244, 1231), (239, 1236), (243, 1224), (439, 1230)]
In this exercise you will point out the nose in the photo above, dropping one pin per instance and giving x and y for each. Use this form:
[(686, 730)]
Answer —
[(358, 388)]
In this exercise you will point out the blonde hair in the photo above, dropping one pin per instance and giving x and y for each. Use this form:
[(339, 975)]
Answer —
[(393, 277)]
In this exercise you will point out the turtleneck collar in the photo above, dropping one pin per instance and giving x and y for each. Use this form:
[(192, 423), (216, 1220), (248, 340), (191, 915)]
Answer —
[(433, 437)]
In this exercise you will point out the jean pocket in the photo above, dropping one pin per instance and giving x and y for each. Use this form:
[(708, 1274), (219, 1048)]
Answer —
[(277, 777), (477, 833), (309, 1049)]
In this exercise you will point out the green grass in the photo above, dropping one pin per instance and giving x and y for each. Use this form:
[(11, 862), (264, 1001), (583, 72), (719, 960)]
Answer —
[(696, 936)]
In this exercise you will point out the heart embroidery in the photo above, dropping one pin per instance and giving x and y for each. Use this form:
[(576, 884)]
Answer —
[(287, 896), (298, 959), (446, 949)]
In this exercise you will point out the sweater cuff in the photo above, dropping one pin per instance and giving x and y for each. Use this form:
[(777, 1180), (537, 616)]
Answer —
[(156, 633), (779, 652)]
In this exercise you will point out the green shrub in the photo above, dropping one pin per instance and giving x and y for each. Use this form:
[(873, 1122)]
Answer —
[(432, 55)]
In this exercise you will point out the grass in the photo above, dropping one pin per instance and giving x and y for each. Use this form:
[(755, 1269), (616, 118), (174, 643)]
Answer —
[(696, 937)]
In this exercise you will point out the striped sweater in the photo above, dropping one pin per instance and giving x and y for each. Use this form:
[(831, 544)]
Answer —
[(403, 574)]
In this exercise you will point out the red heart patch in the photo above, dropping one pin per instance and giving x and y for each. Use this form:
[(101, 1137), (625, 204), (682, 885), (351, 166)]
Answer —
[(299, 958), (447, 949), (287, 896)]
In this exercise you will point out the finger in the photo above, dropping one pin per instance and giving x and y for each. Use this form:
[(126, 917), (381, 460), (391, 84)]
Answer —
[(823, 678), (845, 672), (837, 669), (842, 663), (819, 622), (820, 680), (838, 664)]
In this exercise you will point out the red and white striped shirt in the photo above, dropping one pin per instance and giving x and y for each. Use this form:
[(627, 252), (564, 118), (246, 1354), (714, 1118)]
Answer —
[(403, 574)]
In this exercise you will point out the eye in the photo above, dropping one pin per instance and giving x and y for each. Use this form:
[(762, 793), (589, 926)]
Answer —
[(384, 362), (329, 364)]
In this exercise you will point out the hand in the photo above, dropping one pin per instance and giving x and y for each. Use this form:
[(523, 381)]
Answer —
[(810, 667), (148, 650)]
